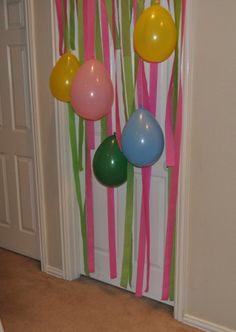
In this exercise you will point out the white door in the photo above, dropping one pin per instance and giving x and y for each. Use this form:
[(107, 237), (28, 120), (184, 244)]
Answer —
[(158, 214), (18, 214)]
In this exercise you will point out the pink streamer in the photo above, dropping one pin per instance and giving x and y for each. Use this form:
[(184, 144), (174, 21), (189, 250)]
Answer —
[(60, 25), (117, 112), (148, 103), (89, 214), (169, 135), (174, 183), (89, 32), (172, 203), (110, 191)]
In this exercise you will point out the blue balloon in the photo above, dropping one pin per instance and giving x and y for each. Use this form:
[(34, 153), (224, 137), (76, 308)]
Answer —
[(142, 139)]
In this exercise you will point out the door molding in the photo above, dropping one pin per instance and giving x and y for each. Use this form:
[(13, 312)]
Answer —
[(69, 216), (182, 213), (70, 236), (38, 167), (69, 232)]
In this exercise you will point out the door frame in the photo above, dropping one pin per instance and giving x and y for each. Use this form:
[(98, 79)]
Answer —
[(67, 218), (70, 241), (37, 147)]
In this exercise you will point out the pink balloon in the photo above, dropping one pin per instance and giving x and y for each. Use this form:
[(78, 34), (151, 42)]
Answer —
[(92, 91)]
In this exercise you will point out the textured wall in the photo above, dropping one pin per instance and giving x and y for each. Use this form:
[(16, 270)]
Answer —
[(211, 287)]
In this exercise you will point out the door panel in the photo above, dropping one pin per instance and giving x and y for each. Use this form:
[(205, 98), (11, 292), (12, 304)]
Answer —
[(18, 209)]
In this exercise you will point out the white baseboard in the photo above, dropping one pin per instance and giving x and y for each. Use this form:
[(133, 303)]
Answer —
[(58, 273), (204, 325)]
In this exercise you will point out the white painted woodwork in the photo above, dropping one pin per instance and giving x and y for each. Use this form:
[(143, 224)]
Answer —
[(18, 203)]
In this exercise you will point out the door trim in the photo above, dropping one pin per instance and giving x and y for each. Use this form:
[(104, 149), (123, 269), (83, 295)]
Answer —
[(70, 236), (38, 167), (69, 216), (69, 233), (182, 213)]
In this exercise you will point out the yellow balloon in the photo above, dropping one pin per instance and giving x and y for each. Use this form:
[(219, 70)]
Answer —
[(62, 76), (155, 34)]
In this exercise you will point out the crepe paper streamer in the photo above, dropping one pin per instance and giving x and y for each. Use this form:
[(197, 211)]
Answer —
[(138, 7), (169, 135), (173, 190), (177, 9), (79, 6), (65, 26), (80, 10), (127, 266), (144, 229), (110, 191), (80, 144), (89, 211), (72, 131), (72, 24), (110, 8), (99, 56), (128, 73), (60, 25), (172, 97), (172, 204), (89, 34), (128, 97), (172, 277)]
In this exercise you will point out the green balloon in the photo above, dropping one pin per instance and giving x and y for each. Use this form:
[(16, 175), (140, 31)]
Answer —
[(109, 163)]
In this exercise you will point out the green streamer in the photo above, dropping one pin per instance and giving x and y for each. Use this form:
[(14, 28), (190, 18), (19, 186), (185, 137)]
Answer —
[(140, 8), (72, 24), (177, 9), (72, 131), (127, 62), (99, 56), (81, 58), (126, 275), (80, 144), (81, 30), (109, 10), (128, 96)]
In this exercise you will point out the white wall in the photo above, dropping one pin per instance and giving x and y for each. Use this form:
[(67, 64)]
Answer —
[(211, 286)]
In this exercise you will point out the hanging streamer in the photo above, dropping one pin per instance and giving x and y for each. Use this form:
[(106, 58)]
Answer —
[(64, 38), (60, 25), (173, 183), (110, 191), (128, 95), (86, 39), (89, 32), (147, 102), (72, 24)]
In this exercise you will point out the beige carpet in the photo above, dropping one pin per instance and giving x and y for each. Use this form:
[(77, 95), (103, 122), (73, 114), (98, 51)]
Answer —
[(32, 301)]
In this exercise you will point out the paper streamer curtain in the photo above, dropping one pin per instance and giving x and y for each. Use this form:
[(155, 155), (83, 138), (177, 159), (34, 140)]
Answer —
[(98, 31)]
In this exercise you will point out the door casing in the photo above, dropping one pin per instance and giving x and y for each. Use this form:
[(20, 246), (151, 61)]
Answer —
[(67, 200)]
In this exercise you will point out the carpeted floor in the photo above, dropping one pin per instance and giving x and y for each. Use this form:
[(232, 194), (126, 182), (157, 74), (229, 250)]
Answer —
[(32, 301)]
